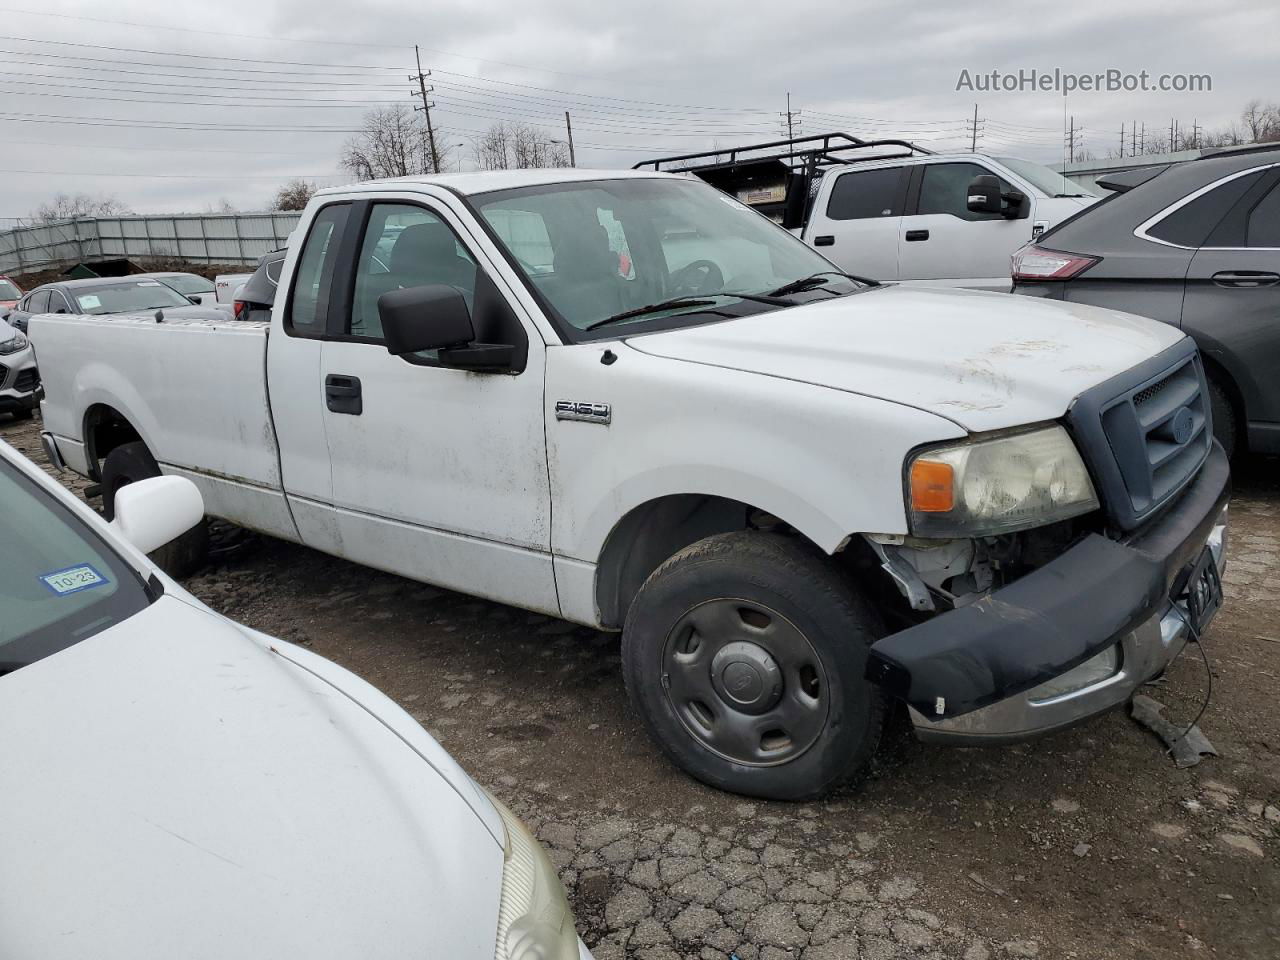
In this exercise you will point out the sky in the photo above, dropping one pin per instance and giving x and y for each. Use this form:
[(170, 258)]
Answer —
[(185, 107)]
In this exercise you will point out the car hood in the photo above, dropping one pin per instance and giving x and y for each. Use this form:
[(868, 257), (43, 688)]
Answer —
[(982, 360), (172, 787)]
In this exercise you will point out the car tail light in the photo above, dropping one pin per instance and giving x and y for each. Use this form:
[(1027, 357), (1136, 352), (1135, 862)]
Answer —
[(1037, 263), (240, 309)]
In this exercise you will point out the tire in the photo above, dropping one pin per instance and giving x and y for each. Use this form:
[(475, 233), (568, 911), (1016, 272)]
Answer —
[(698, 628), (129, 463), (1225, 429), (24, 413)]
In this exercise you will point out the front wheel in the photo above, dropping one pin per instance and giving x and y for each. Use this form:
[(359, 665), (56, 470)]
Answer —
[(129, 463), (1224, 417), (744, 654)]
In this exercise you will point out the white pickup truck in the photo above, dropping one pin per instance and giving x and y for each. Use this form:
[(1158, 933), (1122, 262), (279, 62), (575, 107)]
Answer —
[(628, 400), (893, 210)]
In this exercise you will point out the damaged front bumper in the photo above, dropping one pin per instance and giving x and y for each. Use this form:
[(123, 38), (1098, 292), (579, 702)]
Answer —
[(1066, 642)]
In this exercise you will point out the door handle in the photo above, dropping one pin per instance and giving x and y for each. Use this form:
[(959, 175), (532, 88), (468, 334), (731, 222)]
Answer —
[(915, 236), (826, 240), (342, 394), (1246, 278)]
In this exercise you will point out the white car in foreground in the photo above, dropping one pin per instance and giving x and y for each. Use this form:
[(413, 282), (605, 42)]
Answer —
[(175, 784)]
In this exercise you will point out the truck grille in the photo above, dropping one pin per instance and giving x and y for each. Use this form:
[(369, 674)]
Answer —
[(1145, 433), (27, 380)]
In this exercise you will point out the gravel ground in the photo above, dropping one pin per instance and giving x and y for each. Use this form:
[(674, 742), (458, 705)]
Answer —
[(1088, 844)]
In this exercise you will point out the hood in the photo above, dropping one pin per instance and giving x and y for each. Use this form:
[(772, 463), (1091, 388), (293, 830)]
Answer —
[(982, 360), (172, 788), (7, 331)]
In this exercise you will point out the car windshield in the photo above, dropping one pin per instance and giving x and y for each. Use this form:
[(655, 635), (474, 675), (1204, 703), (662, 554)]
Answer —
[(127, 296), (1048, 181), (8, 291), (189, 283), (59, 582), (599, 249)]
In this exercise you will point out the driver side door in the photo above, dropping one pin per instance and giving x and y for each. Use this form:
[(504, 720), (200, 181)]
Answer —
[(439, 474)]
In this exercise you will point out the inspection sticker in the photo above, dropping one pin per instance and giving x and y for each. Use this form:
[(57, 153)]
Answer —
[(73, 579)]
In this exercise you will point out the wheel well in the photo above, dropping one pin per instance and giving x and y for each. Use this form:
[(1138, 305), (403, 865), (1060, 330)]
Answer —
[(1218, 374), (105, 428), (654, 531)]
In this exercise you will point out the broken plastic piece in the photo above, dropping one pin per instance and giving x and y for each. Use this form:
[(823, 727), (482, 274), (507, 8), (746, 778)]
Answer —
[(1186, 745)]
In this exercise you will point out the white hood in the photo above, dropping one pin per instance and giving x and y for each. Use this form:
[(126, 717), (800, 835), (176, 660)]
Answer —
[(172, 788), (983, 360)]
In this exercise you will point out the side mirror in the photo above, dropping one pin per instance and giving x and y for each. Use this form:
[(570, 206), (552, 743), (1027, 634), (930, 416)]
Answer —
[(195, 298), (424, 318), (984, 194), (435, 317), (151, 512)]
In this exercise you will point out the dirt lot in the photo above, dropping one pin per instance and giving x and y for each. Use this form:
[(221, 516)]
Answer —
[(1089, 844)]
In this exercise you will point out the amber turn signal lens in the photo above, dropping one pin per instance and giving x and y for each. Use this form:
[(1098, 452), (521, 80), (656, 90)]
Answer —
[(932, 489)]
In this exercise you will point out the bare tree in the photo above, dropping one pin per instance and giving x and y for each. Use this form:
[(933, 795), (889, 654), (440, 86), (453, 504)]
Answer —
[(294, 195), (67, 206), (393, 142), (517, 146), (1261, 121)]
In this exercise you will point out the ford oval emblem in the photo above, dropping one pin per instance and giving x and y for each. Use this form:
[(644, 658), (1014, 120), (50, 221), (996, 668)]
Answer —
[(1182, 425)]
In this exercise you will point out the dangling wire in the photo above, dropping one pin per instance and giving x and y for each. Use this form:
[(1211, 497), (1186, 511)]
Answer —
[(1208, 669)]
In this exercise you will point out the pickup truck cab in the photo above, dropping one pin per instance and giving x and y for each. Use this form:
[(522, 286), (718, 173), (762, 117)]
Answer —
[(912, 215), (628, 400)]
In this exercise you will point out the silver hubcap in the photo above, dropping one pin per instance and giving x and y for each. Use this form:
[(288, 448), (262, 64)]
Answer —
[(745, 682)]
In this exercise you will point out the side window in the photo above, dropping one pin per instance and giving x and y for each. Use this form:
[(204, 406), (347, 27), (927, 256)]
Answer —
[(865, 194), (405, 246), (309, 305), (1264, 221), (58, 302), (1192, 223), (944, 188), (39, 302)]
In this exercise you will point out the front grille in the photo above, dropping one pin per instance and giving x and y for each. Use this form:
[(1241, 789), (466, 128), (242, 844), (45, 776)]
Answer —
[(1145, 433), (4, 374), (27, 380)]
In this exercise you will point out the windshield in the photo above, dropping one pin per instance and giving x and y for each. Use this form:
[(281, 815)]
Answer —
[(1046, 180), (8, 291), (59, 583), (599, 249), (124, 297), (189, 283)]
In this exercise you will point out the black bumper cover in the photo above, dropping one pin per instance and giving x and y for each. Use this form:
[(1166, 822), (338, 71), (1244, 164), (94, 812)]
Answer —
[(1054, 618)]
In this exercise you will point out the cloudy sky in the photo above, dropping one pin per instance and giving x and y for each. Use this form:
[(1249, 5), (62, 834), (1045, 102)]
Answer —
[(180, 106)]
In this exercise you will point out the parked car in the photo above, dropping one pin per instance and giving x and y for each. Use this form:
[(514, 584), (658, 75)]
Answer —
[(797, 494), (948, 220), (19, 378), (1196, 245), (199, 290), (177, 784), (227, 285), (98, 296), (10, 294), (255, 298)]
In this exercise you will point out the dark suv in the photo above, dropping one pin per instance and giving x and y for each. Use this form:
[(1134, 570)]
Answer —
[(1197, 245)]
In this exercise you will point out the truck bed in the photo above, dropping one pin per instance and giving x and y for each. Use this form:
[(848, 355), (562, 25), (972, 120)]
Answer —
[(194, 389)]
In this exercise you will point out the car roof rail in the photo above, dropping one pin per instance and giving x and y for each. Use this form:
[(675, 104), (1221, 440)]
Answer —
[(816, 150)]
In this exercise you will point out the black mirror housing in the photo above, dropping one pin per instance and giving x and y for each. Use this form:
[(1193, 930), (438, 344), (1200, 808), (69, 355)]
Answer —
[(431, 317), (984, 194), (195, 298)]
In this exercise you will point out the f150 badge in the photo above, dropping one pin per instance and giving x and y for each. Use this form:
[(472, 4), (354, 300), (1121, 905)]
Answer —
[(586, 412)]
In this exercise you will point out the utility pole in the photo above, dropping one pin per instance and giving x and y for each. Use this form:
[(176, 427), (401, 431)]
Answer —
[(1195, 133), (568, 126), (1133, 139), (1173, 133), (423, 90), (792, 120), (1071, 141), (1122, 140), (1142, 142), (973, 133)]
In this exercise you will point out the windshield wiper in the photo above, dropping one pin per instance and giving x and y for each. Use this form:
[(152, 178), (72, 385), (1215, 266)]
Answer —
[(654, 308), (817, 280)]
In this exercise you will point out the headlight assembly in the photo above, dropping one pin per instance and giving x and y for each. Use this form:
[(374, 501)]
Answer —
[(14, 344), (534, 920), (999, 484)]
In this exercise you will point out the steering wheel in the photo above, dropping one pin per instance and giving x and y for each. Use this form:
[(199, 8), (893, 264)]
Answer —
[(699, 277)]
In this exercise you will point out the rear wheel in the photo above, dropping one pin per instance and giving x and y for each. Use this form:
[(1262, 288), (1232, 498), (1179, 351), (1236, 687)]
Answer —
[(744, 654), (129, 463), (1224, 417)]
